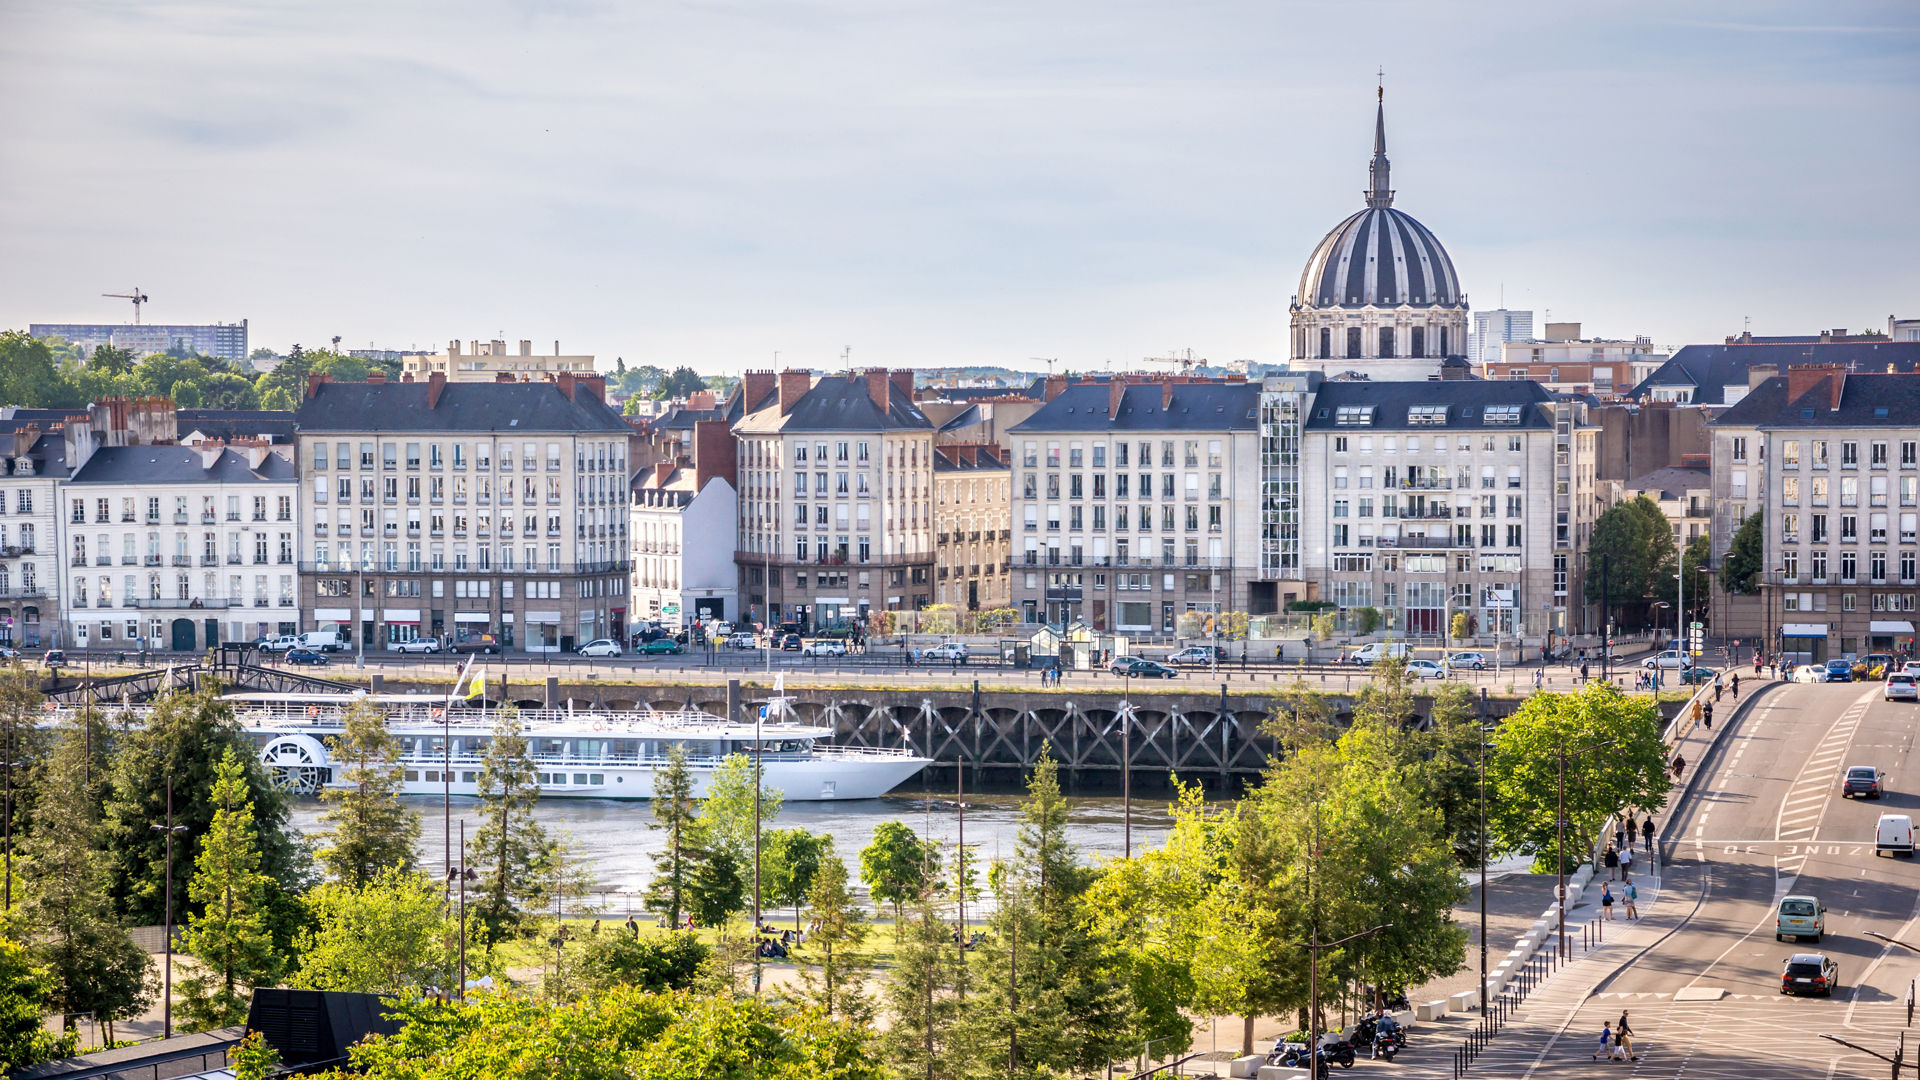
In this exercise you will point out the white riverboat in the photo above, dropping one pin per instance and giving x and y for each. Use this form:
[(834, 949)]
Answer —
[(581, 755)]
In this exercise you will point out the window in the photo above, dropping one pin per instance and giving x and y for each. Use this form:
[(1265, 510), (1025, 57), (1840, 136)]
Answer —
[(1353, 415), (1426, 415), (1503, 415)]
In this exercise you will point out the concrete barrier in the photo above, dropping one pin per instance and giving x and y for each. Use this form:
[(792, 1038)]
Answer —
[(1431, 1010), (1277, 1072), (1465, 1001), (1245, 1068)]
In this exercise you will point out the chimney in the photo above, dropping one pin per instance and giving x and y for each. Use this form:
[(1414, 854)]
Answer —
[(662, 470), (556, 346), (436, 385), (1759, 373), (453, 347), (314, 379), (1802, 378), (754, 387), (793, 386), (1055, 386), (406, 376), (878, 385), (904, 380), (526, 347), (496, 347), (1116, 389), (377, 377), (700, 399), (210, 452), (565, 381), (714, 452), (255, 451), (594, 384), (1166, 395)]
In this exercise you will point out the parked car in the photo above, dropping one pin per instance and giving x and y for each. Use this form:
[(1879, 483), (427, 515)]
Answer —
[(1140, 667), (485, 644), (323, 641), (1799, 917), (1874, 666), (8, 652), (660, 647), (790, 643), (1426, 669), (419, 644), (1839, 670), (722, 629), (1474, 660), (1379, 650), (1861, 780), (1809, 973), (1696, 675), (600, 647), (1901, 686), (1809, 673), (948, 650), (306, 656), (741, 639), (280, 644), (824, 648), (55, 658), (1199, 655), (1672, 658)]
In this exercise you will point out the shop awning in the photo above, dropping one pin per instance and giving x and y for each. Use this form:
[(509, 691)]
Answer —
[(543, 616), (1892, 626), (332, 614), (1804, 630), (471, 617), (401, 615)]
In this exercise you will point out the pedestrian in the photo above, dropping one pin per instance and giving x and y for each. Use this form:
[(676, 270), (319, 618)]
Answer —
[(1629, 893), (1633, 831), (1606, 899), (1736, 686), (1706, 712), (1679, 766), (1612, 861), (1539, 678), (1646, 831), (1583, 671), (1279, 653), (1623, 1036), (633, 928), (1606, 1040), (1716, 688), (1619, 833), (1756, 663), (1626, 862)]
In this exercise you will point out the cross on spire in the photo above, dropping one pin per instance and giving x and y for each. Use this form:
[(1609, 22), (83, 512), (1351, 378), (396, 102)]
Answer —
[(1380, 191)]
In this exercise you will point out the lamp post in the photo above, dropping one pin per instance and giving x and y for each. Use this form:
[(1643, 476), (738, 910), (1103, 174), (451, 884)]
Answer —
[(9, 765), (1126, 764), (1560, 838), (462, 874), (167, 995), (1484, 745)]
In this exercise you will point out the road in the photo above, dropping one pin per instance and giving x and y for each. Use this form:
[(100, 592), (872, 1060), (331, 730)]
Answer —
[(1700, 975)]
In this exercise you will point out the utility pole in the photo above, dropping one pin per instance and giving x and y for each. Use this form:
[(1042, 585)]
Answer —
[(759, 751), (1483, 850), (167, 994)]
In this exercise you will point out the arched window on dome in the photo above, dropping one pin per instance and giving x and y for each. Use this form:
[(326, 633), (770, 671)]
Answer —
[(1386, 342), (1419, 343), (1326, 343), (1353, 343)]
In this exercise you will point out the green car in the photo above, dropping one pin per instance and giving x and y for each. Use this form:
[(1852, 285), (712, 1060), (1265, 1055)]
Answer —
[(1697, 675), (660, 645)]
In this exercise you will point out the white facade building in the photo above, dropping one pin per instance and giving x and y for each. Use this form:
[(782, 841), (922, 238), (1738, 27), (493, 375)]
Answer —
[(1492, 329), (34, 462), (682, 532)]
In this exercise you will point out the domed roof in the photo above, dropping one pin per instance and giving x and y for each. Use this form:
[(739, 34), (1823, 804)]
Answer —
[(1379, 256)]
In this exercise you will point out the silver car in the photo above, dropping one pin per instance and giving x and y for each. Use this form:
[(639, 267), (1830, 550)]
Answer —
[(1902, 686)]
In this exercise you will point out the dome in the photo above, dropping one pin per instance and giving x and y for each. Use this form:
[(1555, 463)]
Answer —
[(1379, 257)]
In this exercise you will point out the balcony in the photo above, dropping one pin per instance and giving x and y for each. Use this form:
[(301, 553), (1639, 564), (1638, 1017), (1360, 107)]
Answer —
[(129, 560), (286, 601), (176, 604), (151, 560), (209, 560), (1430, 513), (1422, 542), (180, 518), (182, 560), (15, 550)]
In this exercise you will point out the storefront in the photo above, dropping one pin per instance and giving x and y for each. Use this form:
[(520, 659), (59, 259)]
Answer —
[(543, 632), (339, 620), (471, 625), (1890, 636), (1804, 643), (403, 624)]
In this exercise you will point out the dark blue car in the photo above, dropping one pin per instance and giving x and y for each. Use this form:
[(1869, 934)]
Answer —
[(305, 656), (1839, 671)]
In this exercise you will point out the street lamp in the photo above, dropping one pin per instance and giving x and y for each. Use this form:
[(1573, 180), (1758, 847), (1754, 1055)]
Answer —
[(1313, 946), (9, 765), (462, 874), (1485, 728), (1560, 837), (168, 829)]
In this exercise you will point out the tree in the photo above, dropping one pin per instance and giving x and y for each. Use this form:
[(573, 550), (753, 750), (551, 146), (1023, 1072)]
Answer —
[(1695, 556), (1614, 760), (718, 890), (182, 741), (511, 846), (390, 934), (110, 360), (833, 980), (684, 382), (623, 1032), (727, 814), (255, 1058), (1302, 716), (28, 377), (1740, 567), (1461, 629), (670, 892), (24, 985), (92, 963), (655, 963), (1636, 542), (938, 619), (369, 829), (1367, 620), (790, 859), (1447, 763), (228, 934), (897, 866), (923, 1002)]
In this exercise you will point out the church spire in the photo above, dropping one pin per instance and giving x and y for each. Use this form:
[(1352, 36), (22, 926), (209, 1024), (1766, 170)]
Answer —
[(1380, 194)]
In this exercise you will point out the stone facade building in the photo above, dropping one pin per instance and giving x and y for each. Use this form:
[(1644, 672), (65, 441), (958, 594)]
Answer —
[(971, 508)]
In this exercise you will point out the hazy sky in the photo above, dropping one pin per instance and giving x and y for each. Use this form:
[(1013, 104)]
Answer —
[(942, 183)]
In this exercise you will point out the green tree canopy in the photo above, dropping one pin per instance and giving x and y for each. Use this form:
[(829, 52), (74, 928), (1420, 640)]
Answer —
[(789, 860), (24, 988), (1740, 568), (392, 934), (511, 850), (1635, 541), (228, 933), (683, 382), (897, 866), (835, 967), (670, 893), (369, 829), (655, 963)]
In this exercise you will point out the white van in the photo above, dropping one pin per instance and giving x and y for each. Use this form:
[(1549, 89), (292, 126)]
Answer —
[(322, 641), (1380, 650), (1894, 833)]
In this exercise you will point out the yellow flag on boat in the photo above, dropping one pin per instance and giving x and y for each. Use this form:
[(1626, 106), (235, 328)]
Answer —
[(478, 687)]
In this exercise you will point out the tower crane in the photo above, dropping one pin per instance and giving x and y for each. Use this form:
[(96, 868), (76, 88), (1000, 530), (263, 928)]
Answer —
[(136, 296), (1184, 358)]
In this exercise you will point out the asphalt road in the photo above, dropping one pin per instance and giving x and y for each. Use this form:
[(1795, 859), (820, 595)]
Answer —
[(1701, 974)]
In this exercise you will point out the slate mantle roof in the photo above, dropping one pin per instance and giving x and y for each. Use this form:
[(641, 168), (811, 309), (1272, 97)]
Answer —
[(836, 403), (178, 465), (502, 408), (1466, 404), (1193, 407), (1877, 400), (1709, 369), (1671, 484)]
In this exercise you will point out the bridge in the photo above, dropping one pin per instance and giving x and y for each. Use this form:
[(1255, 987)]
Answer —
[(144, 686)]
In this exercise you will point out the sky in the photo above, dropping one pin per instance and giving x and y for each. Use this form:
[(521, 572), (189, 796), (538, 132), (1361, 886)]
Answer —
[(908, 183)]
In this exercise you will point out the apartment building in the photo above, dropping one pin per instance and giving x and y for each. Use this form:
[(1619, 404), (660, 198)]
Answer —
[(1427, 498), (1136, 502), (32, 463), (1832, 460), (463, 510), (836, 496), (684, 517), (482, 361), (1564, 362), (972, 510), (1685, 496)]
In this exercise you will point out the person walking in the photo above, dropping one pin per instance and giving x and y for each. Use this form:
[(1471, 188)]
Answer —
[(1606, 899), (1716, 688), (1583, 671), (1646, 831), (1679, 766), (1626, 862), (1611, 860), (1620, 832), (1633, 832), (1706, 713), (1623, 1036), (1629, 893), (1736, 686), (1606, 1041)]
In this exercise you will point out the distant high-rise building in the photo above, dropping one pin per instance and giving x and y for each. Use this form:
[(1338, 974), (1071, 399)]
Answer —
[(1492, 329), (225, 341)]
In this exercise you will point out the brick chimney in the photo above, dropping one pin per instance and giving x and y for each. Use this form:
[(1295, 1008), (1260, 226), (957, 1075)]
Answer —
[(314, 379), (1116, 389), (436, 385), (1055, 386), (662, 470), (593, 384), (754, 387), (1166, 395), (1802, 378), (904, 380), (564, 380), (879, 383), (714, 452), (504, 376), (793, 385), (377, 376), (700, 399)]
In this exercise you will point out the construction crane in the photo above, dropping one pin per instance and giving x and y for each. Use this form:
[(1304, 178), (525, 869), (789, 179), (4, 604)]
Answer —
[(136, 296), (1047, 360), (1184, 358)]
